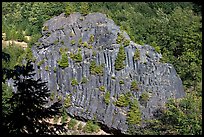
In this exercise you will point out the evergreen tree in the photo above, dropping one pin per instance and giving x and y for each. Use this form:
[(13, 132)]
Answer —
[(84, 8), (29, 106), (69, 8), (119, 62)]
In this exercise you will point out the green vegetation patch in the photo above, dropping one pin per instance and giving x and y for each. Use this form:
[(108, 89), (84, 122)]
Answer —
[(94, 53), (72, 124), (84, 80), (80, 42), (73, 42), (121, 82), (85, 44), (126, 42), (76, 57), (67, 101), (102, 88), (56, 42), (80, 126), (46, 68), (91, 40), (107, 97), (55, 69), (121, 56), (84, 8), (134, 86), (120, 38), (64, 116), (74, 82), (137, 54), (134, 114), (63, 62), (52, 96), (63, 50), (90, 127), (144, 97), (123, 100), (69, 9), (96, 69)]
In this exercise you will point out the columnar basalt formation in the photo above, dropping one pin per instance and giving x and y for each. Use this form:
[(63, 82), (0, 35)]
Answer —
[(94, 36)]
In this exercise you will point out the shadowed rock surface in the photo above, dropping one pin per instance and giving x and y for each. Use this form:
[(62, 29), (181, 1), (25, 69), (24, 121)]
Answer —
[(160, 80)]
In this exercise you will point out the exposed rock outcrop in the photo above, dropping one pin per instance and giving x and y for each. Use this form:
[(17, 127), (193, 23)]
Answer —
[(159, 80)]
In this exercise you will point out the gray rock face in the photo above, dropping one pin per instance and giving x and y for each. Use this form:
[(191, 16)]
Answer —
[(87, 101)]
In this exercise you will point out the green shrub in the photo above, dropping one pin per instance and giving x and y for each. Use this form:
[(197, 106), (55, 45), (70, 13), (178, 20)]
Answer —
[(140, 42), (64, 116), (72, 42), (123, 101), (137, 54), (102, 88), (134, 86), (62, 42), (84, 80), (67, 101), (144, 97), (91, 40), (107, 97), (99, 70), (96, 70), (59, 97), (48, 34), (72, 124), (45, 28), (90, 127), (38, 44), (121, 82), (46, 68), (94, 53), (120, 38), (74, 82), (126, 42), (52, 96), (119, 62), (20, 36), (85, 44), (56, 118), (70, 8), (63, 62), (90, 47), (80, 126), (76, 57), (28, 54), (56, 42), (134, 114), (84, 8), (63, 50), (157, 49), (55, 69), (80, 42), (128, 94), (92, 67)]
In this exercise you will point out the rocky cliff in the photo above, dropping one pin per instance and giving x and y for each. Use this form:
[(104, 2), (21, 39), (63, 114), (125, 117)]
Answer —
[(95, 38)]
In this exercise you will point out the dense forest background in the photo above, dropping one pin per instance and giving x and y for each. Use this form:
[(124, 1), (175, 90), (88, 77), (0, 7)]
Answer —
[(173, 28)]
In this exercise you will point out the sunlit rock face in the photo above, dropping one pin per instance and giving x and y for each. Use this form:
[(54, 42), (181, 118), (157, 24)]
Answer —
[(159, 80)]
